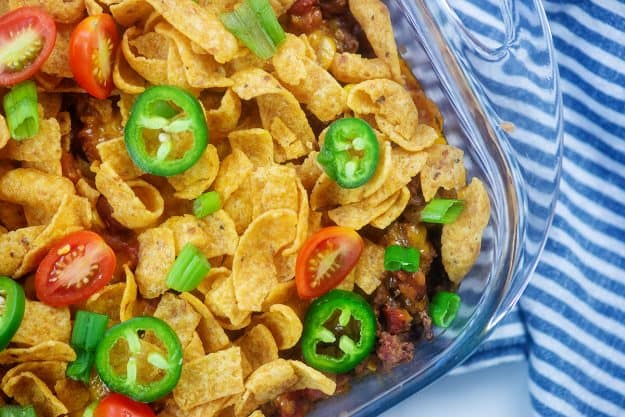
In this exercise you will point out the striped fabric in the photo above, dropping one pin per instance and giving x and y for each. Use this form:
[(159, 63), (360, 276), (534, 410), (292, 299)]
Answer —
[(570, 323)]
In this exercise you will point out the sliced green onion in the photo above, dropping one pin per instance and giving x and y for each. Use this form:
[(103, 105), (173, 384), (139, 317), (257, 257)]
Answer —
[(268, 20), (255, 24), (89, 328), (399, 258), (189, 269), (444, 308), (206, 204), (20, 108), (442, 210), (80, 369), (17, 411)]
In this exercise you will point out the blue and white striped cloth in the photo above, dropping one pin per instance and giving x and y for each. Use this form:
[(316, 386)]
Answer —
[(570, 323)]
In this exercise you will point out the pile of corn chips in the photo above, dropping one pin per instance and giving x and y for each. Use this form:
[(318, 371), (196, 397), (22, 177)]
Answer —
[(261, 161)]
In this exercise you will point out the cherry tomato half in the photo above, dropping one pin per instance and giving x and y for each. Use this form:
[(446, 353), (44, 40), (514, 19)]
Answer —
[(92, 49), (325, 260), (76, 267), (27, 37), (116, 405)]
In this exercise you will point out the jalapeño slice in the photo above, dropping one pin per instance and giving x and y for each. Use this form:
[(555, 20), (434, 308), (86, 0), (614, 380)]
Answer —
[(183, 116), (12, 306), (128, 334), (339, 332), (350, 152)]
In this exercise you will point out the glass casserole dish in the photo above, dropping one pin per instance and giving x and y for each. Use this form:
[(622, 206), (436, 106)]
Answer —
[(497, 88), (476, 81)]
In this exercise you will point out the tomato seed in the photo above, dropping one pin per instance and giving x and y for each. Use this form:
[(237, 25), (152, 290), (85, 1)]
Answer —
[(64, 250), (35, 45)]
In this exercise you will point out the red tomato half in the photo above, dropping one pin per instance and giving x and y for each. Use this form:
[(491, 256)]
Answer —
[(117, 405), (92, 49), (325, 260), (76, 267), (27, 37)]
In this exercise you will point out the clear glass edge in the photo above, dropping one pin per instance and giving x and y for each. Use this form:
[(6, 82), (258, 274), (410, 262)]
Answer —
[(469, 340)]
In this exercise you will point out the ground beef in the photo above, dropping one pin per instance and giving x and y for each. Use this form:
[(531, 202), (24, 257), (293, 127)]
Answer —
[(393, 350), (346, 41), (333, 7), (293, 404), (406, 233), (306, 16), (306, 23), (426, 324), (416, 196), (409, 288), (105, 211), (334, 18), (302, 7), (342, 383), (408, 292), (100, 122), (126, 248), (398, 320), (416, 203), (70, 167), (401, 303)]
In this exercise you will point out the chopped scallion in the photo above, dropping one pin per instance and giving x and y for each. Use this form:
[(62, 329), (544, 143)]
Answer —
[(399, 258), (189, 269), (20, 108), (268, 20), (444, 308), (80, 369), (255, 24), (442, 210), (17, 411), (89, 328), (206, 204)]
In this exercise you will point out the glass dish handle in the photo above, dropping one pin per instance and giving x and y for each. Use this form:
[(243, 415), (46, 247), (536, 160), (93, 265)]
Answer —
[(504, 50), (473, 40)]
